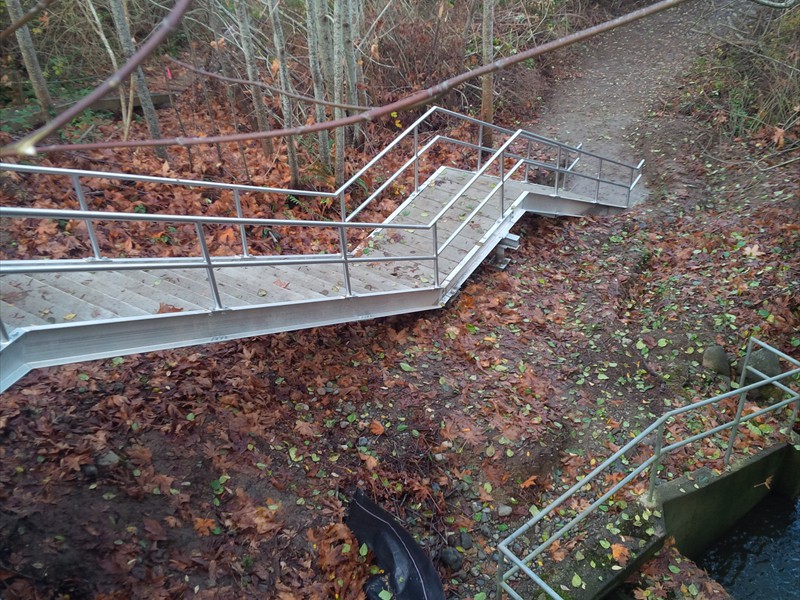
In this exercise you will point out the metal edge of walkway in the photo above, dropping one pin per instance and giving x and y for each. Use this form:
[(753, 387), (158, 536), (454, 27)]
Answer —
[(61, 344)]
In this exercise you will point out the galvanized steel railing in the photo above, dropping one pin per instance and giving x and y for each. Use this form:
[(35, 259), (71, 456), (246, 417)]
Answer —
[(517, 151), (522, 565)]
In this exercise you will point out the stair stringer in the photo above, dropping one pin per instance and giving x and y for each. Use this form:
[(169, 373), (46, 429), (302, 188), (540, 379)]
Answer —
[(36, 347)]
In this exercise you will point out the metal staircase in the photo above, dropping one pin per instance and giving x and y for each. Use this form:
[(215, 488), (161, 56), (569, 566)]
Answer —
[(122, 297)]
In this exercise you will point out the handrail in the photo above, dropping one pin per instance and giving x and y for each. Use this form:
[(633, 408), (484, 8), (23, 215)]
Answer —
[(522, 564), (111, 175), (345, 222), (80, 215)]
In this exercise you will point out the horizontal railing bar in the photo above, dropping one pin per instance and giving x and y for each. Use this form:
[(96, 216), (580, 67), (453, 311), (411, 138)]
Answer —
[(162, 180), (538, 138), (521, 564), (477, 175), (585, 513), (357, 175), (730, 424), (156, 264), (391, 179), (476, 210), (632, 444), (778, 353), (69, 214)]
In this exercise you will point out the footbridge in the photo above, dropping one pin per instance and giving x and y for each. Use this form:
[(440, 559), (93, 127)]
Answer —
[(111, 273)]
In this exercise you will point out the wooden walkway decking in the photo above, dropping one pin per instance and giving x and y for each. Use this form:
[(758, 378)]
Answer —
[(52, 298)]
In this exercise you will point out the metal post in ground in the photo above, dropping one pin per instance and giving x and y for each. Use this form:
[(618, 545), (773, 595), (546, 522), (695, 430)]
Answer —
[(740, 406), (656, 463)]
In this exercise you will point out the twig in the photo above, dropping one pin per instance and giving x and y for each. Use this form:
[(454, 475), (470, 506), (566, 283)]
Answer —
[(26, 18), (27, 145), (271, 88)]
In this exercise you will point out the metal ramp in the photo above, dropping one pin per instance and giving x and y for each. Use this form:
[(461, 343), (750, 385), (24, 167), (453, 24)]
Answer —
[(129, 294)]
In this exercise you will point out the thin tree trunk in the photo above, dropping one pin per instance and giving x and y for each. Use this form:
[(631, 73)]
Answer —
[(325, 39), (339, 11), (351, 73), (29, 57), (119, 15), (487, 81), (125, 106), (256, 92), (314, 24), (286, 84)]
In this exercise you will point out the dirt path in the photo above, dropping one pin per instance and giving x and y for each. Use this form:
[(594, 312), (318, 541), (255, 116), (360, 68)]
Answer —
[(620, 76)]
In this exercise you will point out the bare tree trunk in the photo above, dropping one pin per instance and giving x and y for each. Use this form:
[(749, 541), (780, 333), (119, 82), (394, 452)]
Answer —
[(119, 14), (351, 73), (325, 39), (126, 108), (314, 24), (256, 92), (29, 57), (487, 81), (339, 13), (286, 85)]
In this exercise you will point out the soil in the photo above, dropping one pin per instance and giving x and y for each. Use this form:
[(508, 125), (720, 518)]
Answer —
[(232, 464)]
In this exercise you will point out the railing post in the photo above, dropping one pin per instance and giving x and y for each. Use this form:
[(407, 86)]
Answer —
[(501, 563), (527, 160), (558, 172), (656, 463), (502, 183), (480, 147), (436, 255), (242, 232), (416, 159), (342, 207), (597, 186), (76, 184), (630, 189), (4, 332), (212, 280), (739, 406), (345, 262)]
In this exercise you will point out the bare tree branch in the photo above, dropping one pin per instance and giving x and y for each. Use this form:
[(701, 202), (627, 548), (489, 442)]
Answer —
[(273, 89), (779, 5), (27, 145), (418, 99), (26, 18)]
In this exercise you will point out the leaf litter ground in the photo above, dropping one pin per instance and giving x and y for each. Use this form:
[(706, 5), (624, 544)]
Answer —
[(223, 471)]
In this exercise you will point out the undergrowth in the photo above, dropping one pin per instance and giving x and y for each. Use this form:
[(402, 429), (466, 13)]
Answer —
[(751, 86)]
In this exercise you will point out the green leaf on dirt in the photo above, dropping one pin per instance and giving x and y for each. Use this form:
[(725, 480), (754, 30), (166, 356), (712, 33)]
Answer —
[(406, 367), (674, 569), (385, 595), (577, 581)]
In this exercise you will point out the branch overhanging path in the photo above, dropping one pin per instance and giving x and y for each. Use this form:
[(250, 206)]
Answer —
[(27, 145)]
